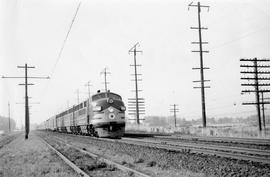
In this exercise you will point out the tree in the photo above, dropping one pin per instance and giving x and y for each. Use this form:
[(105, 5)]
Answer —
[(4, 124)]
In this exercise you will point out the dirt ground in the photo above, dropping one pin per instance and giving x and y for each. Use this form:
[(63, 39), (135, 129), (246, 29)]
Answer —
[(30, 158)]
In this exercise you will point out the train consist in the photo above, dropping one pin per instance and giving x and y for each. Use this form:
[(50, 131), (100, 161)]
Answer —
[(103, 115)]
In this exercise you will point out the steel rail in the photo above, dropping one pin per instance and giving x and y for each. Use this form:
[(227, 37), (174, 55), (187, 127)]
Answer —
[(198, 149), (213, 147), (66, 160), (255, 141), (101, 158), (182, 148)]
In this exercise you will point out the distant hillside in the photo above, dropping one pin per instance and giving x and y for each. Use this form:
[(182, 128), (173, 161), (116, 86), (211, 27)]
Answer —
[(4, 124)]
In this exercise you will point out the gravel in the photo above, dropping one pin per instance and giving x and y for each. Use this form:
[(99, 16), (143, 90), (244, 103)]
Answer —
[(88, 164), (177, 161)]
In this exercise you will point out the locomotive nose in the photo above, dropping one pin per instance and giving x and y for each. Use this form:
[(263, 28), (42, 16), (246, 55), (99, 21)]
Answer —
[(111, 115)]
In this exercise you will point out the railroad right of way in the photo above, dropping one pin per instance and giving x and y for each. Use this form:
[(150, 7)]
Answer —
[(160, 161)]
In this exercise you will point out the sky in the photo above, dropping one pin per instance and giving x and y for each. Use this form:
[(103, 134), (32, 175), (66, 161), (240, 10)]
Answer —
[(33, 32)]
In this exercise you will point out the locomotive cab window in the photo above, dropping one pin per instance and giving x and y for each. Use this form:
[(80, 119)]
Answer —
[(114, 96), (98, 96), (106, 95)]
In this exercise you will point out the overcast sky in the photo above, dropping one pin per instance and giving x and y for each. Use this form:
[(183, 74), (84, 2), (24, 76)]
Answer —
[(33, 31)]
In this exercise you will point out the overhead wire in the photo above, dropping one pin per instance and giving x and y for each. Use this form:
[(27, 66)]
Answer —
[(65, 40), (62, 47)]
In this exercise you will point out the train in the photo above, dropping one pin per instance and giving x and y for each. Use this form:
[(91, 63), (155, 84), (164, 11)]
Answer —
[(101, 115)]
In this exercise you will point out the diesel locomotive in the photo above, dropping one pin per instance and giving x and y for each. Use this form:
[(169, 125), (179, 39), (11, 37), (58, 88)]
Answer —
[(102, 115)]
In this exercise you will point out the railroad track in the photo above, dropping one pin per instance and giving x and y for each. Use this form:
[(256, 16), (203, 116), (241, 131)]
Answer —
[(254, 141), (247, 154), (95, 156), (258, 141), (66, 160), (254, 155), (238, 153), (251, 151)]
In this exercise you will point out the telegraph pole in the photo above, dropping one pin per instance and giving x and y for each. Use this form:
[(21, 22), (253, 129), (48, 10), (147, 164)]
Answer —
[(257, 81), (136, 104), (263, 113), (263, 109), (29, 107), (26, 77), (174, 110), (201, 51), (9, 117), (105, 72), (88, 85)]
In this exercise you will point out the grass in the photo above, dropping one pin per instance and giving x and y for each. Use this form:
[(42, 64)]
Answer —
[(151, 164), (31, 158), (139, 160)]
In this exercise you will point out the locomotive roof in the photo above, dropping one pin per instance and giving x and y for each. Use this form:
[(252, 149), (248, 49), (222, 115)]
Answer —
[(83, 104), (107, 94)]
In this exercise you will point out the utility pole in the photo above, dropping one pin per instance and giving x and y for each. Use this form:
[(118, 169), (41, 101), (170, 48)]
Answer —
[(257, 81), (263, 109), (9, 117), (174, 110), (262, 100), (201, 51), (26, 77), (29, 107), (136, 104), (105, 72), (88, 85)]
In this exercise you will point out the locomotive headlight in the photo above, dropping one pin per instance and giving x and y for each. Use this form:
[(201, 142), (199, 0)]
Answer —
[(111, 115), (123, 108), (110, 109), (97, 108)]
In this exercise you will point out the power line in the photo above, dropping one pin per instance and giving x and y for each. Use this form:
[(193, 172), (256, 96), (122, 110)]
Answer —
[(63, 45), (240, 37), (65, 40)]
